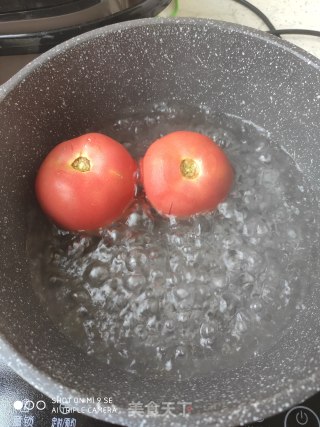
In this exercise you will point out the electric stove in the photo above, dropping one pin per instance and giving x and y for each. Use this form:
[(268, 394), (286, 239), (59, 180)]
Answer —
[(21, 405)]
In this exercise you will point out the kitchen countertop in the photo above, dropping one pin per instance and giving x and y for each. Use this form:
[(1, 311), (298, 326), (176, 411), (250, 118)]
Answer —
[(282, 13)]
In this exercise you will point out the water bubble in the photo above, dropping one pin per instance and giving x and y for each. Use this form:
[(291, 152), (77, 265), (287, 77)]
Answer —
[(141, 332), (225, 210), (96, 273), (183, 317), (240, 325), (169, 326), (291, 233), (136, 280), (222, 305), (207, 330), (233, 259), (256, 305), (219, 280), (265, 158), (168, 365), (180, 352), (133, 219), (182, 293)]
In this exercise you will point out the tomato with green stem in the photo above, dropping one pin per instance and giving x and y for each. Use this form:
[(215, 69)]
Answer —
[(87, 182), (185, 173)]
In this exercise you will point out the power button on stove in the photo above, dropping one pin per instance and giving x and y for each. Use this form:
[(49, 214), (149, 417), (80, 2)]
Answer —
[(301, 416)]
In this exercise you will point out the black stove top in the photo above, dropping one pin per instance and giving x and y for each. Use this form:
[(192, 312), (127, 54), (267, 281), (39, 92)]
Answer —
[(23, 406)]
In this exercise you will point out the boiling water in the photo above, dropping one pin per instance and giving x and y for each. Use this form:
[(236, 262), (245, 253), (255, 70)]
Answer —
[(159, 295)]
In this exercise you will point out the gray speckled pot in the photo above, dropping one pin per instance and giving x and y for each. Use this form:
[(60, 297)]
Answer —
[(226, 67)]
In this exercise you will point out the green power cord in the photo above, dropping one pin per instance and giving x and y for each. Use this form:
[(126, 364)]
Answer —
[(174, 8)]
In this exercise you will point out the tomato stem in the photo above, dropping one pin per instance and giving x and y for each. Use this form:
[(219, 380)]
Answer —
[(81, 164), (189, 168)]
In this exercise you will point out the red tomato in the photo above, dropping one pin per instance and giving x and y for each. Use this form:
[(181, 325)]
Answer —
[(185, 173), (87, 182)]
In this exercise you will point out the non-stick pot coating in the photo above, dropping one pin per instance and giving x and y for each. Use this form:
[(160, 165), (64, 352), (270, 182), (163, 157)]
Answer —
[(76, 86)]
